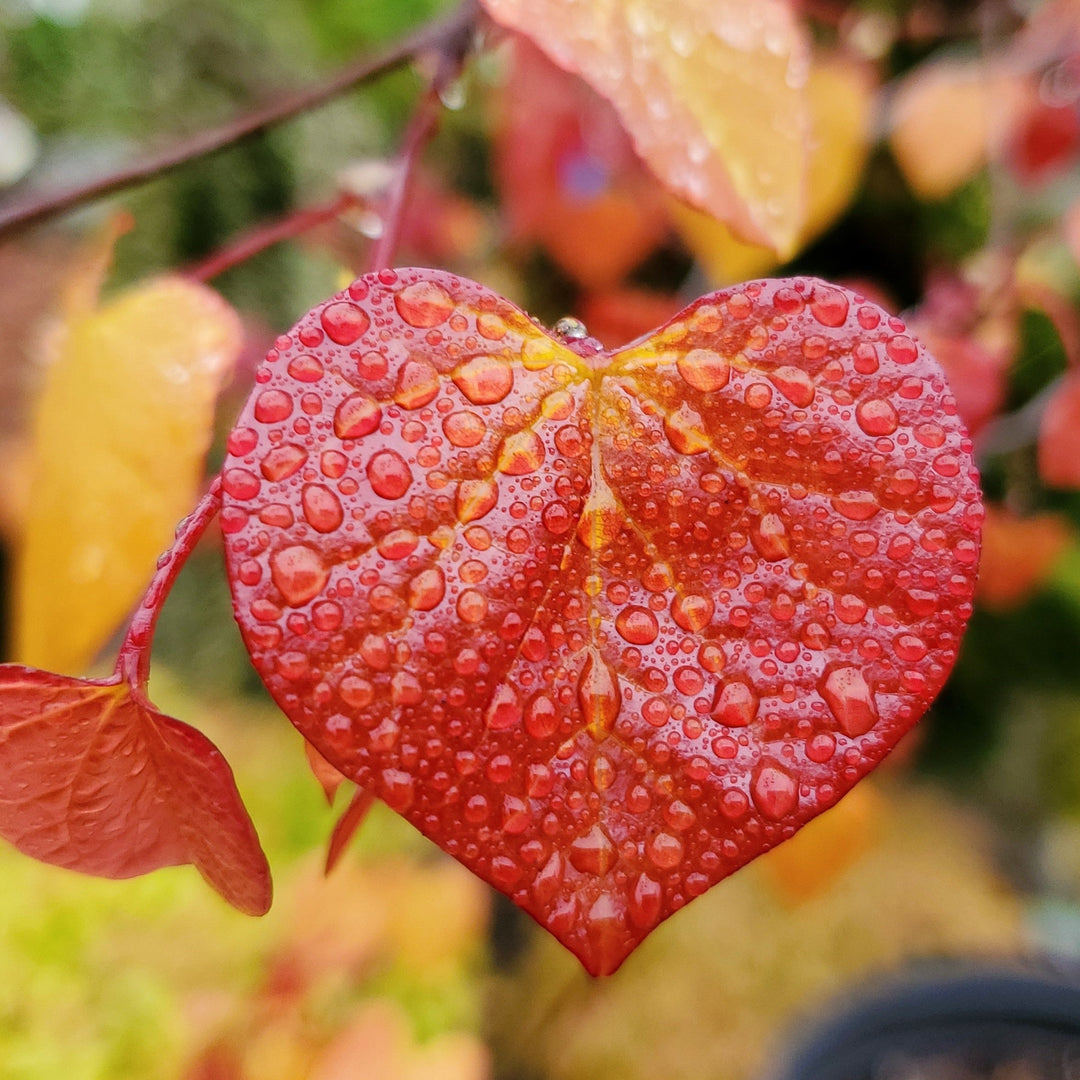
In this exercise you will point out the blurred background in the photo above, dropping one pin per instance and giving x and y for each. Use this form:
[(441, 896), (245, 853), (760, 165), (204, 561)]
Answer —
[(944, 181)]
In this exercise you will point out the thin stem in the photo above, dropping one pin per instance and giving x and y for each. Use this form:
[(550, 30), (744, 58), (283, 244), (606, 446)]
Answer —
[(265, 236), (422, 125), (133, 663), (439, 34)]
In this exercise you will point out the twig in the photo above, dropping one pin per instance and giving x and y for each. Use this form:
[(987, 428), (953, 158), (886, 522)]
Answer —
[(421, 127), (439, 34), (265, 236)]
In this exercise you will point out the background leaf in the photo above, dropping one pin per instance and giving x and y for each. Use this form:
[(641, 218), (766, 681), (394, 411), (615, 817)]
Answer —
[(709, 90), (122, 427)]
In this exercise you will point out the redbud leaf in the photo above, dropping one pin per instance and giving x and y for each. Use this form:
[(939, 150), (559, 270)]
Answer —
[(709, 90), (94, 778), (603, 625)]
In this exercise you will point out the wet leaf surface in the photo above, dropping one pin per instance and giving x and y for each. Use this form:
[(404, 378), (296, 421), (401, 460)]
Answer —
[(603, 625)]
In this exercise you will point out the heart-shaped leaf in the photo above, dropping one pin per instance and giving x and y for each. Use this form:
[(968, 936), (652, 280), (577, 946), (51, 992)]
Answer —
[(605, 626), (94, 778)]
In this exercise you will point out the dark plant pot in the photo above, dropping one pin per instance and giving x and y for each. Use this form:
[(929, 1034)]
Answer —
[(958, 1024)]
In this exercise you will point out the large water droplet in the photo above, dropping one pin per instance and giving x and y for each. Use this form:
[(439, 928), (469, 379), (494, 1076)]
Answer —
[(424, 304), (850, 700), (735, 704), (598, 693), (484, 380), (504, 712), (692, 612), (877, 417), (637, 625), (704, 369), (686, 431), (593, 853), (388, 474), (322, 509), (299, 574), (427, 589), (344, 322), (795, 384), (475, 498), (601, 520), (521, 453), (356, 416), (417, 384), (774, 790)]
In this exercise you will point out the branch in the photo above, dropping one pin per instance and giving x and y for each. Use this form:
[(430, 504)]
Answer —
[(421, 127), (265, 236), (440, 35)]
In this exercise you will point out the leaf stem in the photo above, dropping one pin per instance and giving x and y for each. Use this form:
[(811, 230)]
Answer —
[(421, 127), (440, 34), (262, 237), (133, 663)]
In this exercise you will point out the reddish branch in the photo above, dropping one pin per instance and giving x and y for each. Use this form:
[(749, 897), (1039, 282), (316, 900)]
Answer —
[(265, 236), (133, 663), (442, 35)]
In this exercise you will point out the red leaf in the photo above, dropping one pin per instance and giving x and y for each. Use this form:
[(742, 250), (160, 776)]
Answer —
[(94, 778), (1059, 436), (568, 176), (605, 626)]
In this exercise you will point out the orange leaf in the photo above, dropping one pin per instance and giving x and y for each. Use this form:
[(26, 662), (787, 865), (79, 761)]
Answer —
[(709, 90), (1018, 555), (93, 778), (947, 118), (328, 777), (1059, 436), (840, 100)]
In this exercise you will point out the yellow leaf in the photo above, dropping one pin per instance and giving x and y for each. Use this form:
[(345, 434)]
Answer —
[(709, 90), (948, 118), (121, 430), (839, 94)]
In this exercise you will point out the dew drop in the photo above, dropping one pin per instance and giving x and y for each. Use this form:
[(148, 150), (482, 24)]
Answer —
[(465, 429), (829, 306), (664, 851), (344, 322), (299, 574), (704, 370), (769, 537), (424, 304), (637, 625), (876, 417), (240, 483), (504, 712), (306, 368), (692, 612), (646, 897), (273, 406), (795, 384), (356, 416), (521, 453), (601, 520), (774, 790), (593, 852), (282, 462), (685, 431), (856, 505), (322, 509), (427, 589), (475, 498), (541, 717), (735, 704), (417, 384), (850, 700), (388, 474), (484, 380), (471, 606), (598, 693)]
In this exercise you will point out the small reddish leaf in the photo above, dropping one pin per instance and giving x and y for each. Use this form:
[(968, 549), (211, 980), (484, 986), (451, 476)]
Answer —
[(657, 610), (1018, 555), (94, 778), (329, 779), (354, 816)]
